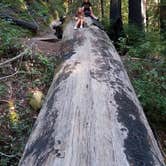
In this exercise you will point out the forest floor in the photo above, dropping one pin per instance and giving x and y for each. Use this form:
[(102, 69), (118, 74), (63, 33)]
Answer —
[(18, 110)]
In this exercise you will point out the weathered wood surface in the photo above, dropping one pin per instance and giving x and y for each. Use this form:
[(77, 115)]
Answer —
[(47, 38), (91, 116)]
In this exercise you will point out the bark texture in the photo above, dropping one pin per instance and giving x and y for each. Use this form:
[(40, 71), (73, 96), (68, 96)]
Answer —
[(137, 12), (163, 17), (91, 115), (116, 19)]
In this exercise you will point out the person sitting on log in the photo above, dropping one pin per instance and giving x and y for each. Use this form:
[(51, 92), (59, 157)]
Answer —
[(79, 18), (87, 9)]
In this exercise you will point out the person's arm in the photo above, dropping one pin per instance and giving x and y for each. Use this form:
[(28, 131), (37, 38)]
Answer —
[(76, 16), (91, 9), (82, 14), (92, 14), (82, 8)]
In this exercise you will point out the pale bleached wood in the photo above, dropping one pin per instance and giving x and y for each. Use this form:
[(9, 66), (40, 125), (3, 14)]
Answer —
[(91, 115), (49, 38)]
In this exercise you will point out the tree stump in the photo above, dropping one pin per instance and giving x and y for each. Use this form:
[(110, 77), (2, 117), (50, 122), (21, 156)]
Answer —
[(91, 115)]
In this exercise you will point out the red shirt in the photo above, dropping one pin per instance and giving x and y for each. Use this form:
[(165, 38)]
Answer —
[(79, 14)]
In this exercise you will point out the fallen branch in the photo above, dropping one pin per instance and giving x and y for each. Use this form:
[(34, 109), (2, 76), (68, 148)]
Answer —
[(5, 101), (2, 78), (8, 155), (25, 24), (16, 57), (23, 53), (143, 59)]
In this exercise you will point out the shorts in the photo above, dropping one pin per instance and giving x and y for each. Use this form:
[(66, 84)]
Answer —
[(87, 13)]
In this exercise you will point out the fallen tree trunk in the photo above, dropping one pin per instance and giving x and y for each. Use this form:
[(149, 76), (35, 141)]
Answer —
[(91, 115), (25, 24)]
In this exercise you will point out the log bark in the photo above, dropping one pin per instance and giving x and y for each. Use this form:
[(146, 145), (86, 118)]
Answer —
[(25, 24), (91, 115)]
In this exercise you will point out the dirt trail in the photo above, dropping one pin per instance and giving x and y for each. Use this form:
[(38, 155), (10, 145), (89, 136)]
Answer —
[(48, 44)]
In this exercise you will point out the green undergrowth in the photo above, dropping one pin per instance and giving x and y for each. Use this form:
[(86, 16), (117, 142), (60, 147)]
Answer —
[(35, 74), (146, 63), (144, 55), (17, 117), (36, 11), (142, 44), (149, 81), (9, 37)]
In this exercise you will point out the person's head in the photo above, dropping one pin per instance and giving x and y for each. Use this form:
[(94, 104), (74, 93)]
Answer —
[(80, 9)]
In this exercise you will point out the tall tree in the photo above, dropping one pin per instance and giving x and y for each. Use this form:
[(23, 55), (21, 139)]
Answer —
[(163, 15), (102, 8), (116, 19), (137, 12)]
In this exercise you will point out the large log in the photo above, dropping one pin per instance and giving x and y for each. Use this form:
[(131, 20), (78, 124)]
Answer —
[(91, 115), (25, 24)]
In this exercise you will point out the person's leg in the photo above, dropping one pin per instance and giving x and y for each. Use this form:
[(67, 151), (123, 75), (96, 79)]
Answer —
[(82, 23), (77, 24)]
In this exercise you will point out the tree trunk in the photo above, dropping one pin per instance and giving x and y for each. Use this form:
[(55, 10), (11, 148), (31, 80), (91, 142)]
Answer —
[(137, 12), (102, 8), (116, 19), (91, 115), (163, 16)]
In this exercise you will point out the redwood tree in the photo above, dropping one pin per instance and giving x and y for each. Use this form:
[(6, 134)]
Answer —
[(102, 8), (163, 15), (137, 12), (116, 19)]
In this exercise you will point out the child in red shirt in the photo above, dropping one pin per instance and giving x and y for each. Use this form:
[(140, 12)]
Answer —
[(79, 18)]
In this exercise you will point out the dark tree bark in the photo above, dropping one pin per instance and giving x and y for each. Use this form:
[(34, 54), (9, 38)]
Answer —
[(116, 19), (102, 8), (137, 12), (163, 16)]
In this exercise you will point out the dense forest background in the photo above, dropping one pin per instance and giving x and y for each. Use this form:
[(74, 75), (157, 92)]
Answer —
[(137, 29)]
